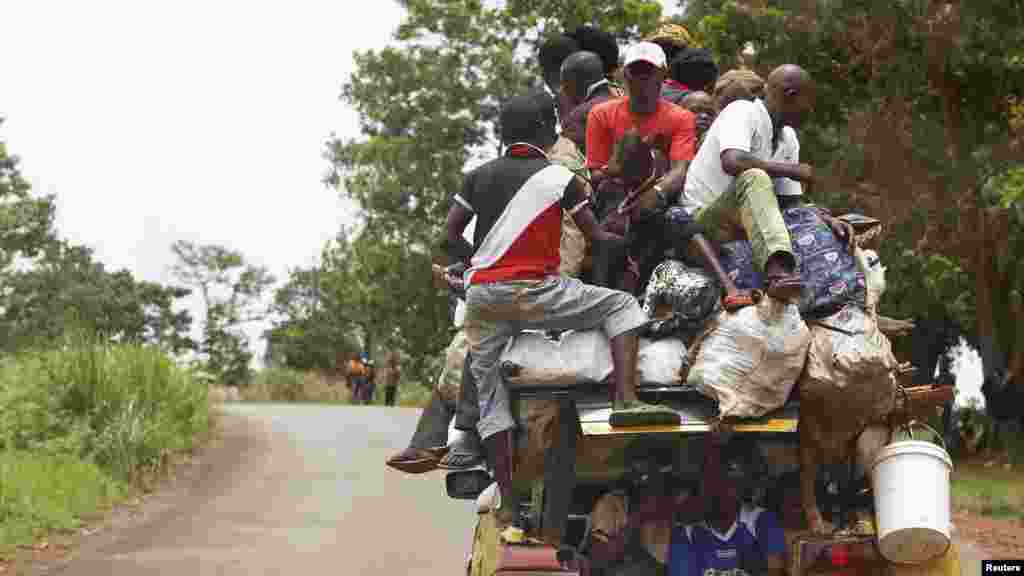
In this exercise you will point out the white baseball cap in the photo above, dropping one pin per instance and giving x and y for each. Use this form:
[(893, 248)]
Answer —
[(646, 52)]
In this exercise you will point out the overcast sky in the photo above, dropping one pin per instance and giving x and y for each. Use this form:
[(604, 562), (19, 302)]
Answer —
[(197, 120)]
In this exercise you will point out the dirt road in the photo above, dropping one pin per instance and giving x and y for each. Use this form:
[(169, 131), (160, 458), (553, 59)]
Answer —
[(289, 490)]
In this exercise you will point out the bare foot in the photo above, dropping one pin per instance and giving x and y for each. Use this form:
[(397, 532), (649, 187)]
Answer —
[(816, 524)]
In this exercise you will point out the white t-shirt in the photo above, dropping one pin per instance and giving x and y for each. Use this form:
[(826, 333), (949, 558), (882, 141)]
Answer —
[(743, 125)]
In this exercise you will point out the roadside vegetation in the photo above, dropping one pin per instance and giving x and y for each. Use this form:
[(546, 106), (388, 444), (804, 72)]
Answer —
[(84, 425), (993, 491), (987, 479)]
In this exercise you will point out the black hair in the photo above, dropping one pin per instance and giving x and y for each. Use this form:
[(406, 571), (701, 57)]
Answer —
[(694, 67), (583, 68), (528, 118), (599, 42), (777, 493), (553, 52)]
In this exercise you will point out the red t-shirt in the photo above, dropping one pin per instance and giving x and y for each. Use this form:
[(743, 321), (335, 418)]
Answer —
[(608, 122)]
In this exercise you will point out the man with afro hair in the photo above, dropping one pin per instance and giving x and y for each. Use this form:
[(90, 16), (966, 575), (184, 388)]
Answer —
[(599, 42)]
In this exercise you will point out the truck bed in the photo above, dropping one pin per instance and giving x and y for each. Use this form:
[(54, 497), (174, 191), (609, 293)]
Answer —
[(696, 410)]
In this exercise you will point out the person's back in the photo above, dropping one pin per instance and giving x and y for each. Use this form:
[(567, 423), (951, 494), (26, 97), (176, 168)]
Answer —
[(519, 222), (356, 368), (512, 283)]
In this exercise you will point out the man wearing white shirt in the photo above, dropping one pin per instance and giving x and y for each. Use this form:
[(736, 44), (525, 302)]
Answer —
[(749, 155)]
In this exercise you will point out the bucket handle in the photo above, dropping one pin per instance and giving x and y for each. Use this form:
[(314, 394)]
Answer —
[(909, 427)]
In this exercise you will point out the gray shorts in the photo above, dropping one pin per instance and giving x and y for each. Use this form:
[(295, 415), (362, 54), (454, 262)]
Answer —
[(496, 312)]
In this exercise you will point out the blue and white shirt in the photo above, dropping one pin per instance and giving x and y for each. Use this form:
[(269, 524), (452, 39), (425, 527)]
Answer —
[(700, 550)]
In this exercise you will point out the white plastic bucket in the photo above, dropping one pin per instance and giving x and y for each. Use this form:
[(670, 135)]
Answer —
[(910, 480)]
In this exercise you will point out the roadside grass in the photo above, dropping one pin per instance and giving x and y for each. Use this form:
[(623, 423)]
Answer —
[(49, 492), (994, 492), (294, 386), (83, 426)]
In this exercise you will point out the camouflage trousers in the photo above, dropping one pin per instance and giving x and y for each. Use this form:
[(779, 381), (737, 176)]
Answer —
[(748, 206)]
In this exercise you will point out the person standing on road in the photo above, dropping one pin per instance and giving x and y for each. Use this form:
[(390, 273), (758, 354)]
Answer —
[(361, 379), (371, 379), (392, 375)]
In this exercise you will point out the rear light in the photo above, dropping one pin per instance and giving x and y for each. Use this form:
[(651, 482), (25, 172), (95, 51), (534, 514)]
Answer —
[(536, 573), (839, 555), (851, 556)]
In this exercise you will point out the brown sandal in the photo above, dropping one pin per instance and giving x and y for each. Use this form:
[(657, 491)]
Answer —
[(413, 461), (738, 301)]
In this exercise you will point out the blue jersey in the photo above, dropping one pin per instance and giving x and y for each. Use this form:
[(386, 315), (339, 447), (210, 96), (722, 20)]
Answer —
[(699, 550)]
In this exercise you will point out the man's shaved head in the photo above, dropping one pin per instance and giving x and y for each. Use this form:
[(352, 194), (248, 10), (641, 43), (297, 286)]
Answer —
[(789, 94), (790, 77), (579, 71), (698, 101), (703, 107)]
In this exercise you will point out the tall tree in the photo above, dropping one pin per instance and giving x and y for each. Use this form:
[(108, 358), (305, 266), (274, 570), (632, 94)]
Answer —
[(918, 120), (232, 291), (311, 329), (65, 286), (26, 222)]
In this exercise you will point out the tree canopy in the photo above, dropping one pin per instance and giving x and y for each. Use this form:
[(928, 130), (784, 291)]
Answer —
[(918, 121)]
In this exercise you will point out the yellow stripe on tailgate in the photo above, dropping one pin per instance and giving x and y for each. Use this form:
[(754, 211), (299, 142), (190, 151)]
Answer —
[(597, 428)]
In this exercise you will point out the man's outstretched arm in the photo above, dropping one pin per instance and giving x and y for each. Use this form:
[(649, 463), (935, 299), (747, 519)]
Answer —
[(583, 215), (455, 245), (671, 185)]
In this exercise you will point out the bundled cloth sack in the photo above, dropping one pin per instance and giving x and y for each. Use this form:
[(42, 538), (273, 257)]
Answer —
[(850, 363), (749, 360), (737, 259), (690, 296), (586, 356), (830, 274)]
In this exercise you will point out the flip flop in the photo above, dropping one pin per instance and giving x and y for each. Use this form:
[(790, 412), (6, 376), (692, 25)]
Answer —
[(413, 461), (438, 451), (641, 414), (462, 456)]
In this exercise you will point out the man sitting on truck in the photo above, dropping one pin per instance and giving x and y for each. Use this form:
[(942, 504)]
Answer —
[(513, 282), (657, 121), (638, 122), (731, 184), (584, 86)]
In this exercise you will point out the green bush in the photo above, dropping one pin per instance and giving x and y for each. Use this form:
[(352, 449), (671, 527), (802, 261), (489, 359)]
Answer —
[(40, 492), (125, 406), (282, 384), (84, 420)]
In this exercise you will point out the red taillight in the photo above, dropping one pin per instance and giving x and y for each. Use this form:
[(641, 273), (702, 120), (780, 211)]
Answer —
[(839, 555)]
